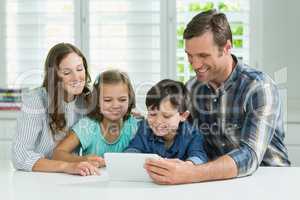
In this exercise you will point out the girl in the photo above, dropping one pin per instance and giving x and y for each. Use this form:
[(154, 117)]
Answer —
[(48, 112), (108, 128)]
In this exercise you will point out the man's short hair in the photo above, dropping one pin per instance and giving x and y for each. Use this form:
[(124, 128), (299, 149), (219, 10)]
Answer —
[(209, 21)]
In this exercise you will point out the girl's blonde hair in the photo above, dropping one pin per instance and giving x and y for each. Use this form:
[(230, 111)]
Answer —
[(111, 77)]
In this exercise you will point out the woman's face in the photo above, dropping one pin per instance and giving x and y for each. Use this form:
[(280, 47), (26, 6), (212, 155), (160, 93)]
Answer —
[(72, 73)]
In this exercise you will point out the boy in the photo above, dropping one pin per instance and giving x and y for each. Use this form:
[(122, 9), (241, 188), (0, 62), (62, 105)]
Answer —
[(166, 131)]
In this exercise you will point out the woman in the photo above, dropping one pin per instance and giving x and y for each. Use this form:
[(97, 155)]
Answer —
[(49, 111)]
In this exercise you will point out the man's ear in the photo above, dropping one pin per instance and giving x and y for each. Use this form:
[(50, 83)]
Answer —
[(227, 47), (184, 115)]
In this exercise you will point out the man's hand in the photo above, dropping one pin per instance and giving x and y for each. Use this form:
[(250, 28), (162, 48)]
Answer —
[(170, 171)]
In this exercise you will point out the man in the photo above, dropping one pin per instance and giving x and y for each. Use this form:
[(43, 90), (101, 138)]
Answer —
[(237, 108)]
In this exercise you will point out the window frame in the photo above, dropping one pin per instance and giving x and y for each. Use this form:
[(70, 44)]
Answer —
[(168, 40)]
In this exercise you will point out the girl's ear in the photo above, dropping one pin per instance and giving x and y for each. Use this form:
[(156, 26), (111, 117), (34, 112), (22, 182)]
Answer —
[(184, 115)]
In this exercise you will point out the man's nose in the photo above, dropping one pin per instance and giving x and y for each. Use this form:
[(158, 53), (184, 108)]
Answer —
[(197, 63)]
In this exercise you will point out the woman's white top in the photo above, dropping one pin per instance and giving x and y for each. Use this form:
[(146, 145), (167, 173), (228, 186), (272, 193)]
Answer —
[(34, 139)]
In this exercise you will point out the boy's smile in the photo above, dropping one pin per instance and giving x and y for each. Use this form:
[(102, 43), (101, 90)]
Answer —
[(165, 120)]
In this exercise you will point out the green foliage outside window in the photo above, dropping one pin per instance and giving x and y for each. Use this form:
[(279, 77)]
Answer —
[(237, 43), (237, 28), (197, 7), (185, 70)]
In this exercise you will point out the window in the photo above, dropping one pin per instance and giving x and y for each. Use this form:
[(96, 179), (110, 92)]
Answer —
[(237, 12), (136, 36), (126, 35), (31, 28)]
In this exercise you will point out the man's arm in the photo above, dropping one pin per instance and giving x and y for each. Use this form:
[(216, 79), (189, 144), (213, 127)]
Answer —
[(262, 113)]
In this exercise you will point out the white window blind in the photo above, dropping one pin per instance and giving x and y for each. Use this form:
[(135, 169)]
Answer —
[(238, 14), (32, 27), (125, 34), (135, 36)]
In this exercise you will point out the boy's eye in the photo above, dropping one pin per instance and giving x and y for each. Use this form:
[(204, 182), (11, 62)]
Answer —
[(152, 114), (123, 100), (80, 68), (107, 100)]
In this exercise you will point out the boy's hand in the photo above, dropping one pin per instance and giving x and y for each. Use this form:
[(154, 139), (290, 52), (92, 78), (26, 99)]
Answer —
[(96, 161), (189, 162)]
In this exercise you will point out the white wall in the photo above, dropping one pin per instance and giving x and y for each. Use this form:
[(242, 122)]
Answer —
[(280, 44), (277, 52)]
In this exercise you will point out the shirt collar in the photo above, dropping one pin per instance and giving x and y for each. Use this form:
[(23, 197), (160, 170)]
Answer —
[(234, 74), (152, 136)]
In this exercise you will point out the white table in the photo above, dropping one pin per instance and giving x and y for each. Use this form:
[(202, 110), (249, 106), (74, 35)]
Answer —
[(267, 183)]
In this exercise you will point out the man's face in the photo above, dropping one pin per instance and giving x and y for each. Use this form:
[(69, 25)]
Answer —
[(206, 58)]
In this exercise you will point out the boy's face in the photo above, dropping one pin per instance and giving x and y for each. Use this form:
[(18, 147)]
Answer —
[(165, 120)]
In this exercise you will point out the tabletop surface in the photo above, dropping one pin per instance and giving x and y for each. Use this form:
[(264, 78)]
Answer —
[(267, 183)]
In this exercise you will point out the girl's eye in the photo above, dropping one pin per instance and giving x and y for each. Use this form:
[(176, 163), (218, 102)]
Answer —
[(123, 100), (107, 100)]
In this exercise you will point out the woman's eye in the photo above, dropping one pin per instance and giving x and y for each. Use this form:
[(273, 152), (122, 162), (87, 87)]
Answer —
[(80, 69), (66, 73)]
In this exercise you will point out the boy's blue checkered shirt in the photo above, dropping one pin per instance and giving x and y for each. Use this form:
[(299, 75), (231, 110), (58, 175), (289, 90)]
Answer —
[(243, 119)]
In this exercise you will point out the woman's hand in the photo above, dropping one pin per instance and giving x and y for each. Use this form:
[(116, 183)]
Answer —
[(81, 168)]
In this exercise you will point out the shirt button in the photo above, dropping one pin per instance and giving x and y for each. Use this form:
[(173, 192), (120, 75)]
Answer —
[(215, 100)]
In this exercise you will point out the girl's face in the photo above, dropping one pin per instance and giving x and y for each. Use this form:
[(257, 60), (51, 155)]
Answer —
[(72, 73), (114, 101)]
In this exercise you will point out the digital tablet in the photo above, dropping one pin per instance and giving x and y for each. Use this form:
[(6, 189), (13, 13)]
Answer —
[(127, 166)]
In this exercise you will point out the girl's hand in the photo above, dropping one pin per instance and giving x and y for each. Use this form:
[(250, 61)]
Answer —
[(96, 161), (81, 168)]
